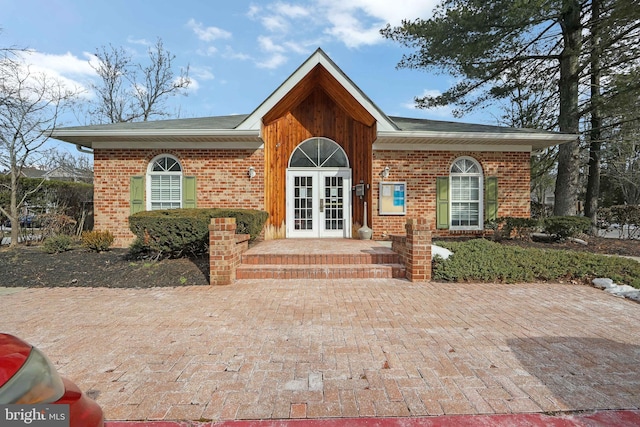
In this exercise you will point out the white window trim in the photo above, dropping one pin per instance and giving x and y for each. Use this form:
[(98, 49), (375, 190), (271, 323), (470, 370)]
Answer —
[(150, 172), (337, 148), (480, 175)]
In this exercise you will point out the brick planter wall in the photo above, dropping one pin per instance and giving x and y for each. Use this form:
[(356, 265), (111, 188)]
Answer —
[(414, 249), (225, 250), (418, 250)]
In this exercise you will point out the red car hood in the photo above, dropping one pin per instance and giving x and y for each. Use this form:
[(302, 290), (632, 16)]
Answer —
[(13, 353)]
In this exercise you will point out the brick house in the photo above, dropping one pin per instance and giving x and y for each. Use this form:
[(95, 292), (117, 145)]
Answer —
[(311, 155)]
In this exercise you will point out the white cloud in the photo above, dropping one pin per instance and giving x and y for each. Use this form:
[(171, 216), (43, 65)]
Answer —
[(354, 23), (143, 42), (439, 112), (279, 16), (267, 44), (59, 64), (351, 31), (273, 62), (229, 53), (207, 51), (207, 34), (70, 71), (357, 22), (202, 73), (291, 10), (275, 53)]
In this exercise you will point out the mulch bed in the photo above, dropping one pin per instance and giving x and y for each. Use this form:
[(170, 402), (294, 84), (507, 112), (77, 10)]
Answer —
[(31, 267)]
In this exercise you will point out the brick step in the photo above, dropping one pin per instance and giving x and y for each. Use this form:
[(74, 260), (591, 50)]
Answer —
[(320, 271), (320, 259)]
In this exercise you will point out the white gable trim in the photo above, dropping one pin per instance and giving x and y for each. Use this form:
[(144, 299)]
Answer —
[(254, 120)]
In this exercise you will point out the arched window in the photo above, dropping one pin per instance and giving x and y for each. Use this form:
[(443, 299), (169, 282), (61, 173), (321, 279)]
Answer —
[(318, 153), (466, 194), (164, 183)]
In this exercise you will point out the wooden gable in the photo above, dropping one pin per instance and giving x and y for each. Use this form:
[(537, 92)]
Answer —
[(319, 77), (317, 106)]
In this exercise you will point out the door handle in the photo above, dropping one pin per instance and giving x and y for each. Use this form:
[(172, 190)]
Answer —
[(321, 205)]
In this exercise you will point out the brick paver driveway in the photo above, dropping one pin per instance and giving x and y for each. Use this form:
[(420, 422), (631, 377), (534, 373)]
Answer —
[(292, 349)]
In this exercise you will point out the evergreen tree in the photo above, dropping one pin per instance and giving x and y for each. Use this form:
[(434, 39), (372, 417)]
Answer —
[(563, 42)]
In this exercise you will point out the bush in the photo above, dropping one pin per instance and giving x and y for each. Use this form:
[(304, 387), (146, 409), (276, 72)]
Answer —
[(507, 227), (57, 244), (54, 224), (175, 232), (567, 226), (98, 241), (627, 218), (485, 261), (540, 210)]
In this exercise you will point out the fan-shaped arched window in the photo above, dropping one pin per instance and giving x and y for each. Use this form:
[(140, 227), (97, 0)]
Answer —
[(466, 194), (318, 153), (164, 178)]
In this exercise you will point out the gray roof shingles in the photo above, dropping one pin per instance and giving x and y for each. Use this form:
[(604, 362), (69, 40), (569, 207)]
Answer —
[(232, 121)]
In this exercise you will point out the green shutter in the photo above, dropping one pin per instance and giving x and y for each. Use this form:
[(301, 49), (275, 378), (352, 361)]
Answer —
[(136, 194), (442, 202), (491, 198), (188, 191)]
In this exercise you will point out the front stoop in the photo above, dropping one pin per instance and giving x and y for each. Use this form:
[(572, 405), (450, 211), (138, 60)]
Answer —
[(320, 266)]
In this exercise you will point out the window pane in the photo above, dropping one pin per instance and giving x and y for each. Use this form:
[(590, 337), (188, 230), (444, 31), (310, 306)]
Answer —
[(165, 191), (310, 148), (300, 160), (466, 193), (319, 152)]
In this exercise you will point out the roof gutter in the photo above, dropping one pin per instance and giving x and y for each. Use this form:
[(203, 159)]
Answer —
[(512, 136), (127, 133), (83, 149)]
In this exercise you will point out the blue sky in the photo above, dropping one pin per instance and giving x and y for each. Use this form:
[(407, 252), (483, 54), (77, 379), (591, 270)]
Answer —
[(238, 51)]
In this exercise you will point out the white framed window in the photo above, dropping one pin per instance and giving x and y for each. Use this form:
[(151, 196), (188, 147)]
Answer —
[(164, 183), (318, 153), (465, 198)]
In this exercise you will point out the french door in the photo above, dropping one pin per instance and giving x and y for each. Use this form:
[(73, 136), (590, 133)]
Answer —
[(319, 203)]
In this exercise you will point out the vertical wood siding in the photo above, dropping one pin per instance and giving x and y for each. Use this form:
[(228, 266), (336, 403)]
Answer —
[(325, 111)]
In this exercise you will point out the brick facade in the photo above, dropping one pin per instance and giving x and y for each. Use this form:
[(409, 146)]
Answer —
[(419, 169), (222, 182)]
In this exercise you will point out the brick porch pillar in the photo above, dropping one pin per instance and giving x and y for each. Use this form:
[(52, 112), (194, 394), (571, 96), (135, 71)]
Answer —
[(418, 247), (224, 257)]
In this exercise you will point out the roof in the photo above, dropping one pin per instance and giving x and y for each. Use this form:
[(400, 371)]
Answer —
[(243, 130)]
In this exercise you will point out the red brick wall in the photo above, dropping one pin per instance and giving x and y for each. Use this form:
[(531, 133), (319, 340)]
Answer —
[(222, 181), (419, 170)]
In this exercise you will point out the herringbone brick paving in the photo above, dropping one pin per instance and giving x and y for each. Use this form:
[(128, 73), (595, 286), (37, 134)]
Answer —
[(336, 348)]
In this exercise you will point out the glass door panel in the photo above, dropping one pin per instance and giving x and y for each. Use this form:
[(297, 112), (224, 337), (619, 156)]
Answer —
[(319, 203)]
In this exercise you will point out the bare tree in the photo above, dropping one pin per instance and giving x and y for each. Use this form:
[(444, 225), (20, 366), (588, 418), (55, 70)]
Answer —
[(129, 92), (30, 107)]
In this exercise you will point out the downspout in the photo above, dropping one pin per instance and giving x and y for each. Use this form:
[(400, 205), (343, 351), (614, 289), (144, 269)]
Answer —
[(82, 149)]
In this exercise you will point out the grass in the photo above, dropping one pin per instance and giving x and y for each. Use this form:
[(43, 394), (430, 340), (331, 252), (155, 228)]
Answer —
[(482, 260)]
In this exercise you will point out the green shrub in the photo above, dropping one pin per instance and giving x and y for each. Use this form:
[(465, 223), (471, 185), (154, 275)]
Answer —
[(138, 249), (57, 244), (175, 232), (97, 240), (508, 227), (567, 226), (485, 261), (248, 221)]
